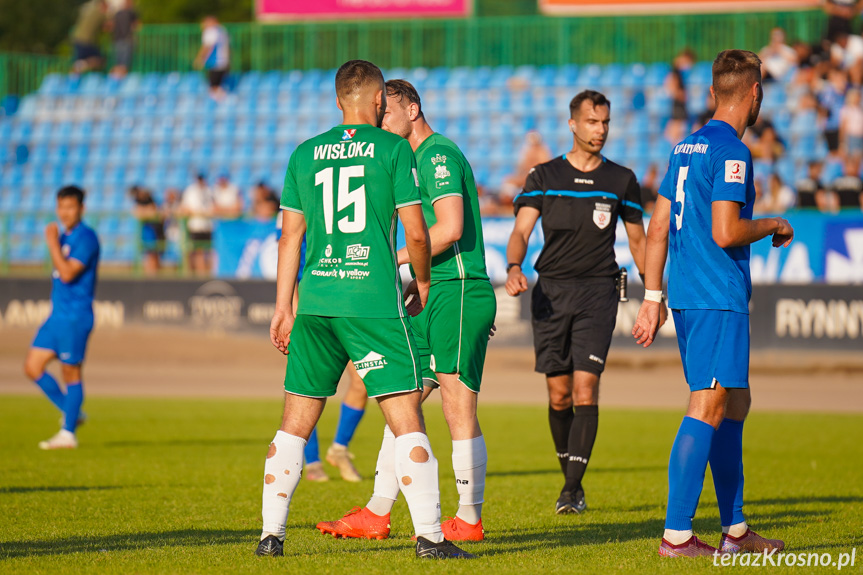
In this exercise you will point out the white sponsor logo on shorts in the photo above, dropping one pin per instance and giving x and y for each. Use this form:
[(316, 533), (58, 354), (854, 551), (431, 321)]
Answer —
[(598, 360), (372, 360)]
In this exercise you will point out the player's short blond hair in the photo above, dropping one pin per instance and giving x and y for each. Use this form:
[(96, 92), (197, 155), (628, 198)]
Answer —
[(734, 73)]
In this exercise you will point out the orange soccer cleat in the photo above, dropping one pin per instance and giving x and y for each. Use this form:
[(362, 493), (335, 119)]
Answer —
[(358, 523), (456, 529)]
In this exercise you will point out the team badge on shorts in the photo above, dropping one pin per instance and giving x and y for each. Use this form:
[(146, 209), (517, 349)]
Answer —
[(602, 215)]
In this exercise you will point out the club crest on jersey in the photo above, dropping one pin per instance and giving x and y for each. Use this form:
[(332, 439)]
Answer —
[(349, 134), (441, 173), (438, 159), (66, 250), (602, 215)]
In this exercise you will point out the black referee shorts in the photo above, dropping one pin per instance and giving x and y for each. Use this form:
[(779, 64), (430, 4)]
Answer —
[(573, 321)]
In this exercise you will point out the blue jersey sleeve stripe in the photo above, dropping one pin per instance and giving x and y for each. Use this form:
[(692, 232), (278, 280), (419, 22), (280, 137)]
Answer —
[(633, 205), (527, 195)]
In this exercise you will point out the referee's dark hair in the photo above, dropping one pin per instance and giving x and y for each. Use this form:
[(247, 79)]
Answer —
[(597, 98), (734, 73), (404, 90), (71, 192), (354, 75)]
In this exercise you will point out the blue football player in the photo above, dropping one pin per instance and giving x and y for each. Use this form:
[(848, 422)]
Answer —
[(75, 256), (703, 217)]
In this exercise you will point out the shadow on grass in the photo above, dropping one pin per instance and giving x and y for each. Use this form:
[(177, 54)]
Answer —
[(126, 542), (61, 488)]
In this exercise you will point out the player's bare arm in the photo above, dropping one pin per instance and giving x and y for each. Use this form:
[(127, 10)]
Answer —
[(730, 230), (290, 244), (418, 246), (447, 230), (516, 249), (656, 252), (637, 247), (68, 268)]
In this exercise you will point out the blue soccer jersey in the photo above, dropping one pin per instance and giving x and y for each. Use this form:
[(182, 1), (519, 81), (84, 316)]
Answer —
[(710, 165), (74, 300)]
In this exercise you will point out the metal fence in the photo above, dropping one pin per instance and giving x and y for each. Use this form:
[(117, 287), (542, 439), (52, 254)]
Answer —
[(508, 41)]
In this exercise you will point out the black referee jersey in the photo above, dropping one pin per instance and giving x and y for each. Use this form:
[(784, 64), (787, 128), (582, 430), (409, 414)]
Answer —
[(579, 213)]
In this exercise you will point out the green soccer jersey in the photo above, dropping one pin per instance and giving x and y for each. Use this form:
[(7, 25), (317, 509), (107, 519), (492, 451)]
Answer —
[(348, 183), (444, 172)]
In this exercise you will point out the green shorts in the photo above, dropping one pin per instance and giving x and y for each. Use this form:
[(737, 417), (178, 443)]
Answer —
[(452, 331), (382, 350)]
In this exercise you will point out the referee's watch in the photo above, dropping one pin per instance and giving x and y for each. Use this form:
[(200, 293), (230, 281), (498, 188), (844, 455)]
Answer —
[(512, 265)]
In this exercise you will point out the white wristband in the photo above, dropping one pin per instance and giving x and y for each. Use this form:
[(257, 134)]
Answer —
[(653, 295)]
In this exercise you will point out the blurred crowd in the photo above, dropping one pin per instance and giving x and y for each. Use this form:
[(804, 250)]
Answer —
[(188, 216)]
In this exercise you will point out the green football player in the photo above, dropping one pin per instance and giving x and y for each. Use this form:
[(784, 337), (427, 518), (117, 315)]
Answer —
[(343, 190), (452, 330)]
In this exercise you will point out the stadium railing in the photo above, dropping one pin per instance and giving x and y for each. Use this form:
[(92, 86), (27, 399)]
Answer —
[(500, 41)]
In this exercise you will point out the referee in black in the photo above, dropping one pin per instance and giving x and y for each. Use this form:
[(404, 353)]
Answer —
[(579, 196)]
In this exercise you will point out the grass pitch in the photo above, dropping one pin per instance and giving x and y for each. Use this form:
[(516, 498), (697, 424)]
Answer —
[(173, 486)]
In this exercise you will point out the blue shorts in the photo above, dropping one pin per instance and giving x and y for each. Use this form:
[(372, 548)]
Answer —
[(714, 347), (65, 337)]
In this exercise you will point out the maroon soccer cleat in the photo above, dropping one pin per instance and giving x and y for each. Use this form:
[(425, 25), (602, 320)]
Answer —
[(694, 547), (749, 542)]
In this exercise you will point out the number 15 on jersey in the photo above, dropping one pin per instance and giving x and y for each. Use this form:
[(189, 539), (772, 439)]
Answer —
[(346, 198)]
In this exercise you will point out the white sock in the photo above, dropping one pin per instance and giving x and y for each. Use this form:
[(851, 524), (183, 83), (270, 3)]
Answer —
[(676, 537), (386, 483), (417, 469), (282, 470), (469, 458), (736, 530)]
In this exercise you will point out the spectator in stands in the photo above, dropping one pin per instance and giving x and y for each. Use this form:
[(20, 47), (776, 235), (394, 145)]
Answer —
[(92, 17), (778, 59), (778, 197), (707, 114), (264, 203), (675, 88), (214, 55), (851, 124), (227, 203), (170, 211), (152, 228), (764, 143), (533, 152), (846, 54), (197, 206), (841, 14), (849, 188), (123, 28), (649, 189), (810, 190), (831, 97)]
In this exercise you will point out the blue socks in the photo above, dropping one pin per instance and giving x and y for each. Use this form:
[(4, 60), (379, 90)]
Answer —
[(50, 388), (72, 406), (311, 452), (349, 419), (686, 468), (726, 464)]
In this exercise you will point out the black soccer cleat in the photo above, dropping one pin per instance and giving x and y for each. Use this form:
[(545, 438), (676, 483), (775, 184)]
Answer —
[(578, 503), (270, 546), (565, 504), (443, 550)]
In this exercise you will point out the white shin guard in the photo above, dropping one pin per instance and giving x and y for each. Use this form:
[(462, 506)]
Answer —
[(469, 459), (282, 471), (417, 473)]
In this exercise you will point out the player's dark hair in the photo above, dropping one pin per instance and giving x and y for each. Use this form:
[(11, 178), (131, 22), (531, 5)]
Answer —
[(404, 90), (596, 98), (355, 75), (71, 192), (734, 72)]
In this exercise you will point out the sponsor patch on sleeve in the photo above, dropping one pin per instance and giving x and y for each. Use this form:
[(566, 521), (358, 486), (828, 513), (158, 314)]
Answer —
[(735, 171)]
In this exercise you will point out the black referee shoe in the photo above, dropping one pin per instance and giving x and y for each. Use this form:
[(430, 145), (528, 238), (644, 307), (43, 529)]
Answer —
[(270, 546), (578, 503), (443, 550), (570, 503)]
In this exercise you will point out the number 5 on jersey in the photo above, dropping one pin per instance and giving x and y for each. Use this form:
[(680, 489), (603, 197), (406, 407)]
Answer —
[(680, 196), (347, 197)]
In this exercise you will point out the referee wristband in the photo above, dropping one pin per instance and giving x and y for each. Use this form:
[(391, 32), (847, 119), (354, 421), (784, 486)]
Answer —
[(653, 295)]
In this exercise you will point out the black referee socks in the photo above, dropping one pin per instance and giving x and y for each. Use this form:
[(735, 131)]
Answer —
[(582, 436), (560, 423)]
